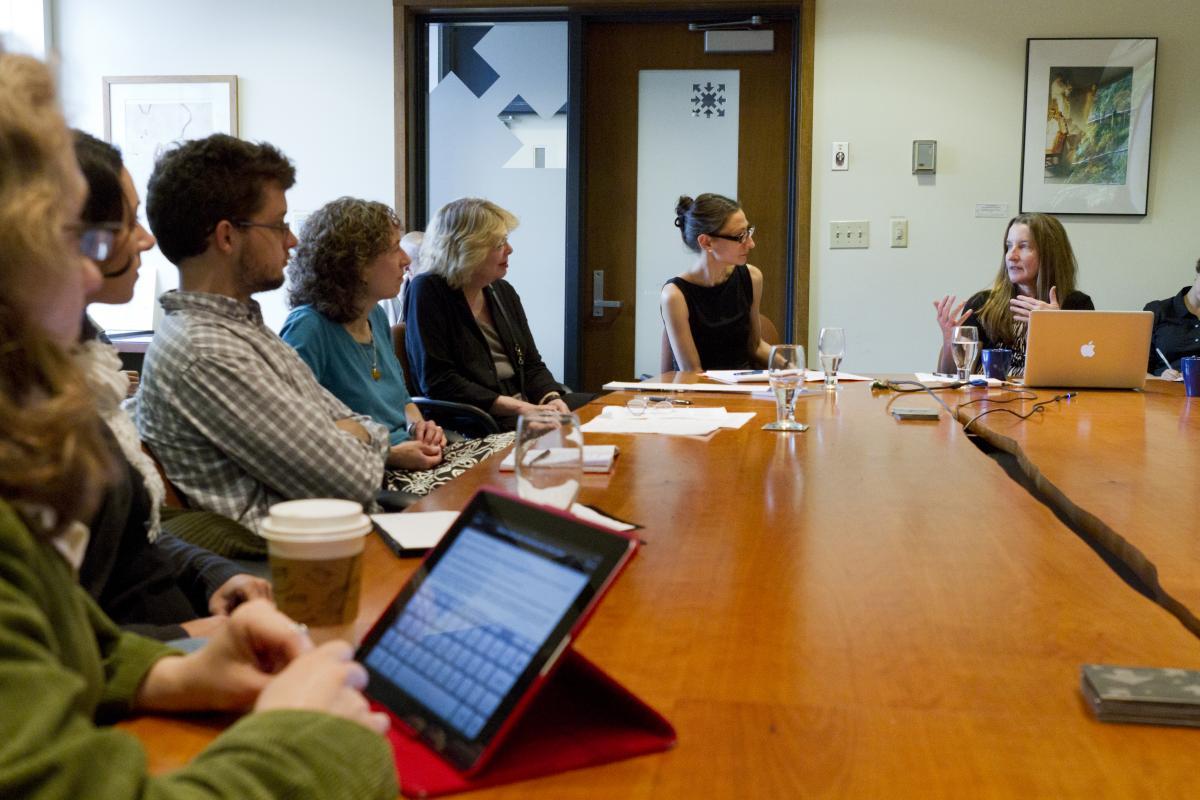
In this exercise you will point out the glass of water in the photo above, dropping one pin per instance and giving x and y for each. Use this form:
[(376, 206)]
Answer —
[(549, 458), (831, 346), (964, 346), (785, 371)]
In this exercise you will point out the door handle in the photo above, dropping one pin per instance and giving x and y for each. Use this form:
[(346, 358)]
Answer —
[(598, 301)]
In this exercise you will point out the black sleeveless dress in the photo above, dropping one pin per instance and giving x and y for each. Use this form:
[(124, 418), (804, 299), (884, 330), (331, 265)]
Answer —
[(719, 318)]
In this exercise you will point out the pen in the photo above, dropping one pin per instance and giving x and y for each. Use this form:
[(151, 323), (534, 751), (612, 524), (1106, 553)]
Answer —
[(750, 372), (1164, 358), (679, 401)]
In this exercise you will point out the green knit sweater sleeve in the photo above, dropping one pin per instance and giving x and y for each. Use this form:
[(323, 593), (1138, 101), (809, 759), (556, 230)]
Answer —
[(62, 662)]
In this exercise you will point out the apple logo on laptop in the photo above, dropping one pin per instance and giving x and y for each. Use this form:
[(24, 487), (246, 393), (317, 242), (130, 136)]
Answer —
[(1088, 350)]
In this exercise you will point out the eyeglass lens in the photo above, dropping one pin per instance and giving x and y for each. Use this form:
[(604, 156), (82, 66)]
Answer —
[(96, 243)]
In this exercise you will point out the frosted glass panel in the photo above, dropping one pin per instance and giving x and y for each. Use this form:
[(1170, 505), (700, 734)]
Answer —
[(687, 144), (498, 129)]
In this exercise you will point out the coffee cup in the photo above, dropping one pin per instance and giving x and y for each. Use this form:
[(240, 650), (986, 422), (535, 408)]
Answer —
[(315, 549), (996, 362), (1190, 367)]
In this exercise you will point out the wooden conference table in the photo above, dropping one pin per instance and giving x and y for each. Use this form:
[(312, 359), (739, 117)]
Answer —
[(868, 609), (1125, 468)]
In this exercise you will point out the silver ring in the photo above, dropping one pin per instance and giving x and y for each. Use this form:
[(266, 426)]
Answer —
[(300, 628)]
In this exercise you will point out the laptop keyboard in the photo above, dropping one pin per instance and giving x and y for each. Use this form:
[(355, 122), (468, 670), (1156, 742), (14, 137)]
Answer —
[(457, 667)]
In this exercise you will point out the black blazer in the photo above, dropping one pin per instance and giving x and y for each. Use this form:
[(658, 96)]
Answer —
[(448, 353)]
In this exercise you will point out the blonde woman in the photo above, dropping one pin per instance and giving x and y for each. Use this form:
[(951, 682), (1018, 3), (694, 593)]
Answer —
[(468, 339)]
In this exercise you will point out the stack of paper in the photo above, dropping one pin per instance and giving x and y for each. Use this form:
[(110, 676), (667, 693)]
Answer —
[(596, 457), (671, 421), (1140, 694), (411, 533), (760, 376)]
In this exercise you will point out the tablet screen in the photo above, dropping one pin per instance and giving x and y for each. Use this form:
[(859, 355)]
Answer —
[(482, 616)]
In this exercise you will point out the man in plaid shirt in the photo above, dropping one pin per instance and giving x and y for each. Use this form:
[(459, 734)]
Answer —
[(236, 418)]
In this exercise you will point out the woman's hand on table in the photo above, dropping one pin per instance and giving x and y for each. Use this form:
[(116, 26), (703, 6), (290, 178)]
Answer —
[(227, 674)]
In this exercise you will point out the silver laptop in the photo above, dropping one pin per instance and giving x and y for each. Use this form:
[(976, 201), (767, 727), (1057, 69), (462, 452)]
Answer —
[(1098, 349)]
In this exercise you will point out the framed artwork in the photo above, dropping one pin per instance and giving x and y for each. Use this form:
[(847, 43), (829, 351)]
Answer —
[(1089, 105), (143, 116)]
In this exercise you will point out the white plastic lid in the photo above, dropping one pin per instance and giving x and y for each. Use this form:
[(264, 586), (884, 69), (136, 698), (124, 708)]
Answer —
[(321, 519)]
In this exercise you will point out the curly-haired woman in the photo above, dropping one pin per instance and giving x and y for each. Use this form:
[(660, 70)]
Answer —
[(349, 258)]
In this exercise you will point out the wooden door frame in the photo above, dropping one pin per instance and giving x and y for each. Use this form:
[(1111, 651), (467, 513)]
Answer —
[(406, 93)]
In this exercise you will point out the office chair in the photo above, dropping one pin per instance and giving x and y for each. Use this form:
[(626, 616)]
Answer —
[(471, 421)]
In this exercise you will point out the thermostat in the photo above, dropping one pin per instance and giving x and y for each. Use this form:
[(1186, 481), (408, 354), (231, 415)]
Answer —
[(924, 156)]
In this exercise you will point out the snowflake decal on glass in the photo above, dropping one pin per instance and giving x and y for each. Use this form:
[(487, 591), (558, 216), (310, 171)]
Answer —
[(708, 100)]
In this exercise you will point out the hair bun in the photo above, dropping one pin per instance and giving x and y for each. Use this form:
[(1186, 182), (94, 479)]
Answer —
[(683, 206)]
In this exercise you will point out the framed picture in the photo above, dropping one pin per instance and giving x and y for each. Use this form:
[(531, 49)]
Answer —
[(143, 116), (1089, 105)]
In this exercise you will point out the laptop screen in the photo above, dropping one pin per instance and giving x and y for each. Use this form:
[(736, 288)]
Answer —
[(481, 618)]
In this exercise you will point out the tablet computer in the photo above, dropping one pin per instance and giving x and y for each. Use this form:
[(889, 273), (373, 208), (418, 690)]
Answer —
[(482, 622)]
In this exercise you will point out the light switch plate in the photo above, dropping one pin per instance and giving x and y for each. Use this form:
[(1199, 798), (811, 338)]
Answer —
[(899, 235), (850, 234), (840, 160)]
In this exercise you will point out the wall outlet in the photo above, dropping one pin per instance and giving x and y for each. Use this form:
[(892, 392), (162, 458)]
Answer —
[(899, 237), (849, 234)]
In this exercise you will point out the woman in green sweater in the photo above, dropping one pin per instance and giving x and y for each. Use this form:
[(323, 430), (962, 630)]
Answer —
[(64, 667)]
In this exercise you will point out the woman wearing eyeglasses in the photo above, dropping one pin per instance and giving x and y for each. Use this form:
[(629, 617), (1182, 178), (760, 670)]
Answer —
[(467, 338), (144, 578), (711, 310)]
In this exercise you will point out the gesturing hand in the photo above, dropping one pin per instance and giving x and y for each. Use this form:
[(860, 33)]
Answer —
[(949, 315), (1022, 305)]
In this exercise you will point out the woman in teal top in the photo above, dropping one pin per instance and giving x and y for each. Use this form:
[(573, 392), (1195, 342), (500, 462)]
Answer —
[(346, 367), (348, 259)]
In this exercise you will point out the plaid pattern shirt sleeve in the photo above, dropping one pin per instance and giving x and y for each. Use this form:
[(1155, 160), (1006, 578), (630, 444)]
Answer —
[(239, 422)]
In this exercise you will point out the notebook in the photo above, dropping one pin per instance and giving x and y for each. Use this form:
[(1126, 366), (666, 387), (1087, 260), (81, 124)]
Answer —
[(480, 627), (1098, 349)]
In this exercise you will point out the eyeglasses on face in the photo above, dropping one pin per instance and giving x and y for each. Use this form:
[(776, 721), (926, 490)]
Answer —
[(280, 227), (503, 243), (96, 239), (740, 238)]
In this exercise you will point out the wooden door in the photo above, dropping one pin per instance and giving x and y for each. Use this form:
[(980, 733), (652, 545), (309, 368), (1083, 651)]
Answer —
[(615, 53)]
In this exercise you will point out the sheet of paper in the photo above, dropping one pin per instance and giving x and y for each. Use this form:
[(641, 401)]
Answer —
[(596, 518), (416, 530), (671, 421), (596, 457), (653, 386), (932, 379)]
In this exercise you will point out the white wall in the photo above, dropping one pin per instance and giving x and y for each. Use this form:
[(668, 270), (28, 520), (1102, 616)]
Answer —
[(887, 73), (315, 79)]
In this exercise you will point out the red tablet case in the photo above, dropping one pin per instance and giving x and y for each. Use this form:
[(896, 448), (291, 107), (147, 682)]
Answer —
[(580, 717)]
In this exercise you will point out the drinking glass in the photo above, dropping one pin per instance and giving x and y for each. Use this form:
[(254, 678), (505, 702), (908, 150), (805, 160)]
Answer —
[(831, 346), (964, 346), (785, 371), (549, 458)]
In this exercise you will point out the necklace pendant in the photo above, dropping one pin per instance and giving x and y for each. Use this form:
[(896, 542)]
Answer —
[(375, 373)]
